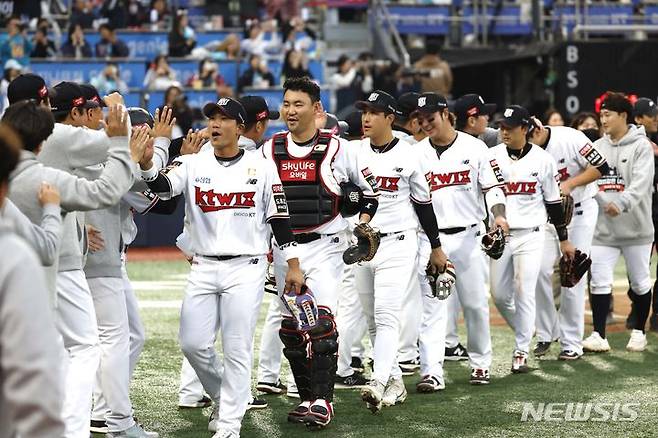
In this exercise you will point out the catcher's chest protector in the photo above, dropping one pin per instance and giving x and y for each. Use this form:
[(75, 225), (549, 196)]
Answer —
[(310, 203)]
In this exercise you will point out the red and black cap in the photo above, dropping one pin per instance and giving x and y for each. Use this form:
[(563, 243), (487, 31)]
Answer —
[(513, 116), (473, 105), (431, 103), (25, 87), (379, 101), (230, 107), (257, 109), (91, 94), (69, 95)]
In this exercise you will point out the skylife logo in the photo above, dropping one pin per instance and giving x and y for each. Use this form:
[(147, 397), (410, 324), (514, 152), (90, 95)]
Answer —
[(573, 412)]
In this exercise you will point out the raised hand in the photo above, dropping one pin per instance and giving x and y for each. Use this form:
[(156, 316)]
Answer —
[(164, 122)]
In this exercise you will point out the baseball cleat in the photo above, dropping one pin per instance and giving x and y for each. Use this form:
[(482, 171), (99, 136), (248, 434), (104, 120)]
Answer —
[(256, 403), (319, 414), (213, 420), (595, 343), (541, 348), (520, 362), (203, 402), (355, 380), (480, 376), (395, 392), (569, 355), (298, 414), (357, 364), (271, 388), (637, 342), (134, 432), (372, 394), (430, 384), (225, 434), (292, 391), (456, 353), (98, 426), (409, 367)]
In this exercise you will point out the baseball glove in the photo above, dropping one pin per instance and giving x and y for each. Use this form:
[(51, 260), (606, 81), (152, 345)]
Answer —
[(571, 271), (493, 243), (567, 208), (442, 282), (365, 247)]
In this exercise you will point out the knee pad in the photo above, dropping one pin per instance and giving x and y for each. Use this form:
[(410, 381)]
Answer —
[(324, 336), (291, 336)]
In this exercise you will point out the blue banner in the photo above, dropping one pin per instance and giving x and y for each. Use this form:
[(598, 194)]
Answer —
[(434, 20)]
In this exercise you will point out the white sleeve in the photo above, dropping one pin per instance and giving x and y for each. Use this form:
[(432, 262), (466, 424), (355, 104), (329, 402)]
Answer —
[(175, 175), (586, 153), (350, 165), (549, 182), (274, 199), (161, 152), (490, 174), (418, 182), (141, 202)]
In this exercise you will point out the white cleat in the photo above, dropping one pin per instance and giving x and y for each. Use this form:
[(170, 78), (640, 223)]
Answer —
[(637, 342), (596, 344), (395, 392), (372, 394), (213, 420)]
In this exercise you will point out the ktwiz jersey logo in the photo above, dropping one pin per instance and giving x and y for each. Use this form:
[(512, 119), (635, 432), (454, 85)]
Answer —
[(388, 183), (209, 201), (440, 180), (563, 174), (298, 170), (521, 188)]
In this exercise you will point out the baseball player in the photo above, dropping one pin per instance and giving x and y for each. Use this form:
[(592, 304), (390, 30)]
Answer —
[(312, 164), (231, 194), (461, 175), (532, 192), (76, 316), (405, 202), (624, 222), (579, 164)]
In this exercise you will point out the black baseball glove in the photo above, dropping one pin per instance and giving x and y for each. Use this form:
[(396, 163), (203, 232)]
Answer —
[(365, 247), (493, 243), (571, 271)]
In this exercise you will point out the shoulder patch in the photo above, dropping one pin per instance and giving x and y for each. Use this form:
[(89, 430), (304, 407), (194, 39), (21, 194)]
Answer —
[(592, 155)]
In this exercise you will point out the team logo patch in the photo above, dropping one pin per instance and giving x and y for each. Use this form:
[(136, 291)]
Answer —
[(209, 201), (422, 101), (252, 181), (508, 112), (388, 183), (277, 188), (441, 180), (496, 170), (281, 204), (373, 97), (370, 179), (592, 156), (223, 101), (472, 111), (298, 170)]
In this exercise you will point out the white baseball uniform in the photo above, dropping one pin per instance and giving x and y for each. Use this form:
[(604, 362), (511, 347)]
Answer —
[(459, 179), (573, 153), (532, 182), (229, 204)]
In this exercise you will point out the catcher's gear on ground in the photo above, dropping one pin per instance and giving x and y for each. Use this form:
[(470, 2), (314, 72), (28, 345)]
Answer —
[(571, 271), (302, 307), (442, 283), (350, 203), (365, 247), (567, 208), (493, 243)]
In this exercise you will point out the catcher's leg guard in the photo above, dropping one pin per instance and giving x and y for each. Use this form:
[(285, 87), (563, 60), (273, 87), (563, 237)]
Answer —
[(294, 349), (324, 345)]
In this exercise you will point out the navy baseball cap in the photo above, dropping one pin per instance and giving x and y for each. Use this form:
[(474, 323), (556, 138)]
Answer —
[(645, 107), (230, 107), (257, 109), (513, 116), (407, 104), (473, 105), (354, 127), (91, 94), (69, 95), (25, 87), (379, 101), (431, 103)]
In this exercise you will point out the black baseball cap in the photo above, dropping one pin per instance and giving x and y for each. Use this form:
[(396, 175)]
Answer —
[(91, 94), (228, 106), (69, 95), (139, 116), (27, 86), (618, 103), (256, 109), (407, 104), (379, 101), (473, 105), (513, 116), (354, 127), (431, 103), (645, 107)]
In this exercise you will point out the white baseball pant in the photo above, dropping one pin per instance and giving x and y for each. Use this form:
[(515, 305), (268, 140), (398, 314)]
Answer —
[(225, 296), (514, 280), (432, 333), (271, 347), (410, 322), (637, 259), (190, 389), (350, 321), (76, 321), (454, 309), (382, 285), (569, 323)]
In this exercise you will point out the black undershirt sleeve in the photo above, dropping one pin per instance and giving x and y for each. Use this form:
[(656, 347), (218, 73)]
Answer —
[(165, 207), (427, 219), (282, 231), (556, 216), (160, 184), (174, 147)]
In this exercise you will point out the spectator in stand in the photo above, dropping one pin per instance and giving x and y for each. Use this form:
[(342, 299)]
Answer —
[(256, 43), (295, 65), (175, 99), (297, 35), (282, 9), (552, 117), (115, 11), (181, 38), (82, 13), (137, 15), (76, 46), (437, 76), (43, 47), (257, 75), (230, 46), (110, 46), (346, 84), (158, 14), (16, 45), (12, 70), (160, 75), (584, 121), (208, 76), (109, 80)]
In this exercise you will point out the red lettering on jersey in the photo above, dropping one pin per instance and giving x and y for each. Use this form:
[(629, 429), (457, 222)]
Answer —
[(441, 180), (563, 174), (209, 201), (521, 188), (297, 170), (277, 188), (585, 149), (388, 183)]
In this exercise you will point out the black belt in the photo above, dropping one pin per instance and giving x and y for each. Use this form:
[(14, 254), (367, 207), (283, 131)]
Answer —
[(221, 258), (455, 230), (577, 204), (309, 237), (390, 234)]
